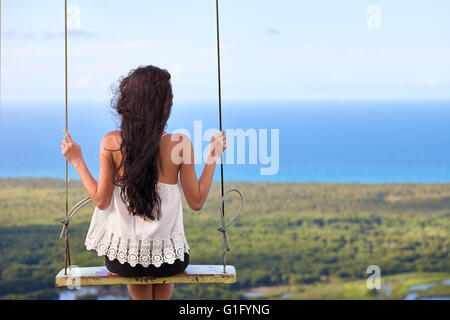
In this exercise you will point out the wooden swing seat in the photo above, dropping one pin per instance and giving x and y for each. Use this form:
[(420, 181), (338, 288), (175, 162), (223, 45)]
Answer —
[(100, 276)]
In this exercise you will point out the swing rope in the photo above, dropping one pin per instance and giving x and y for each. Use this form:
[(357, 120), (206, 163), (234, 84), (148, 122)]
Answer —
[(69, 214), (223, 229), (67, 261)]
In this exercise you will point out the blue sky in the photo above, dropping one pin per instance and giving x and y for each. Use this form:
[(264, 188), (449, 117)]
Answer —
[(271, 50)]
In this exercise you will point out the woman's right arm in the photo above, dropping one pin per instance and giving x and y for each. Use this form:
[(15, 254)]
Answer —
[(196, 190)]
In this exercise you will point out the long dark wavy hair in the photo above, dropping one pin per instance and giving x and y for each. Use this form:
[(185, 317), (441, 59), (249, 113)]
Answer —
[(143, 99)]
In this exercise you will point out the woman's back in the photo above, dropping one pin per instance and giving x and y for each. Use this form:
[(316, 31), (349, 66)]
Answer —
[(168, 170), (133, 239)]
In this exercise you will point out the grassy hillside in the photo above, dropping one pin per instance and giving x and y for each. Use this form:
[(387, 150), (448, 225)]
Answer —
[(290, 235)]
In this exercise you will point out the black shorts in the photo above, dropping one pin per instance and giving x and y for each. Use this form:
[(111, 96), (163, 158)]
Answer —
[(165, 270)]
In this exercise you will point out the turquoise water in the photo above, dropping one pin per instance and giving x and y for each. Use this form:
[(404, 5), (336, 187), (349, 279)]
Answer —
[(358, 141), (414, 292)]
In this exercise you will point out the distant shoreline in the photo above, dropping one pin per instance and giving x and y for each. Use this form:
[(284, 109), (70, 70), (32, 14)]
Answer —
[(77, 182)]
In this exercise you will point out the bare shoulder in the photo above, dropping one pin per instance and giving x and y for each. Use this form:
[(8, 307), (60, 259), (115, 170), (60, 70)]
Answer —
[(178, 137), (176, 142), (112, 140)]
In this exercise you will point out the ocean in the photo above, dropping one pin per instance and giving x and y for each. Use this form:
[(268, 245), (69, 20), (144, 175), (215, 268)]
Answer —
[(319, 141)]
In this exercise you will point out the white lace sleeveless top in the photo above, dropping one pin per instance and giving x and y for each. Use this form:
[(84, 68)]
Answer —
[(117, 234)]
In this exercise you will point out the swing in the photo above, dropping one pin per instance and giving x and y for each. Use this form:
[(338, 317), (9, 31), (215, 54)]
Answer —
[(71, 276)]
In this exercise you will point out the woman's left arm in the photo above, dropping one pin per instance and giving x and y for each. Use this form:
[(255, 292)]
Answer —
[(101, 192)]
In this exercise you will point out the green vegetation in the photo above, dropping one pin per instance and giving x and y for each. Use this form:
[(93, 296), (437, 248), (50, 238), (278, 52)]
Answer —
[(392, 287), (312, 240)]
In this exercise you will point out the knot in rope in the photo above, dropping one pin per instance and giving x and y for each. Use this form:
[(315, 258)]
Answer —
[(224, 227), (65, 230)]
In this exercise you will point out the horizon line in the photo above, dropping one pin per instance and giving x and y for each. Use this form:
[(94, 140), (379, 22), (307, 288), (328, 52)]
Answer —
[(287, 100)]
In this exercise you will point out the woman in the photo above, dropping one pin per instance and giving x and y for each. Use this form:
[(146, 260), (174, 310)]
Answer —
[(138, 220)]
